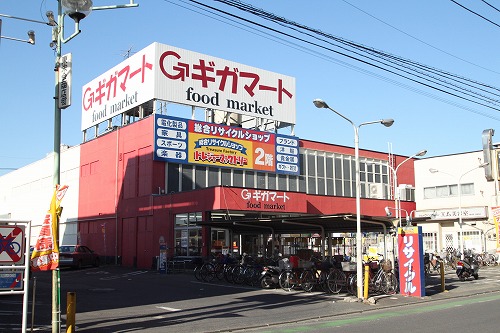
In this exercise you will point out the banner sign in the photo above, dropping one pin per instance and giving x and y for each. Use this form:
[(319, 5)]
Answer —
[(186, 141), (496, 218), (411, 261), (163, 72), (64, 80), (45, 255)]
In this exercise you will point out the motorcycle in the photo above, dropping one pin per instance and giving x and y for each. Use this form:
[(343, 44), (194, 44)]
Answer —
[(467, 267), (269, 277)]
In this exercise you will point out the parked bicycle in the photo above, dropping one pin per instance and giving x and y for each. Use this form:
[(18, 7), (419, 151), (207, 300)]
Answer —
[(381, 278)]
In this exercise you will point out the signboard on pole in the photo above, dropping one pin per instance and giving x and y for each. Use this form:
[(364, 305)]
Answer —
[(411, 261), (12, 244), (64, 82)]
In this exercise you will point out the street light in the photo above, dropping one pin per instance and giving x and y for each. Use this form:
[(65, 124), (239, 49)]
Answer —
[(319, 103), (395, 180), (460, 222), (408, 215), (76, 10)]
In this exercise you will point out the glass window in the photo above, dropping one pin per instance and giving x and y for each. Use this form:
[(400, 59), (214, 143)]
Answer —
[(181, 220), (329, 167), (429, 193), (321, 186), (213, 176), (346, 169), (187, 234), (442, 191), (467, 189), (187, 177), (271, 181), (452, 190), (238, 178), (173, 178), (302, 184), (311, 165), (226, 177), (282, 183), (321, 166), (311, 185), (249, 179), (201, 176), (293, 183), (261, 180)]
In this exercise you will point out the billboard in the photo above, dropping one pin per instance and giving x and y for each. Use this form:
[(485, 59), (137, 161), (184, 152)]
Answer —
[(175, 75), (179, 140)]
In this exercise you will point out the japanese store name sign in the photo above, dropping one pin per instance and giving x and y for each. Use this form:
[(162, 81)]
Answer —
[(175, 75), (411, 261), (186, 141)]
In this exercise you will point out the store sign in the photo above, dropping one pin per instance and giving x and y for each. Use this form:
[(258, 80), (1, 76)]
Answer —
[(186, 141), (454, 213), (64, 80), (175, 75), (265, 200), (411, 261)]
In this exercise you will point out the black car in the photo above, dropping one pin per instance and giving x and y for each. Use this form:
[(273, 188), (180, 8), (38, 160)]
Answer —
[(77, 256)]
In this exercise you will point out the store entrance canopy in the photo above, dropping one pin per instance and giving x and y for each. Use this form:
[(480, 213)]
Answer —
[(338, 223)]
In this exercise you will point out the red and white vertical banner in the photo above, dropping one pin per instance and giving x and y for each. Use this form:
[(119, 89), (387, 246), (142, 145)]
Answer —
[(45, 255), (411, 261), (495, 212)]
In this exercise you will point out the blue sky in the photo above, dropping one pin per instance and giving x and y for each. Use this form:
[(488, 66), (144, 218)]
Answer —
[(439, 34)]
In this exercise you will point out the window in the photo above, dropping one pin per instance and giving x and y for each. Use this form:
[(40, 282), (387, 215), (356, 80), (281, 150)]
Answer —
[(321, 173), (187, 234), (444, 191)]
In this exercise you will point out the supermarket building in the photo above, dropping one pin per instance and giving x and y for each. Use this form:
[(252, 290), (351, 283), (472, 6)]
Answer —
[(183, 152)]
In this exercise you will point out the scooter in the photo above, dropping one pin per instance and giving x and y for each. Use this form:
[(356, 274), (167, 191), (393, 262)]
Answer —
[(270, 275), (467, 267), (269, 278)]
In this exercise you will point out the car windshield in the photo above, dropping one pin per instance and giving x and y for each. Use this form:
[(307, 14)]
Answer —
[(67, 248)]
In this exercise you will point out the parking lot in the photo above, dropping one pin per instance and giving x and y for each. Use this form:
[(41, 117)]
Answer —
[(117, 299)]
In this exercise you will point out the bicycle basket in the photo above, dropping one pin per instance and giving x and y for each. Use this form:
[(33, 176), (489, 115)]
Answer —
[(387, 266)]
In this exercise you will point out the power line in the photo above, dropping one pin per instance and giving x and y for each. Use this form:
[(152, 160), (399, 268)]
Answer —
[(441, 81), (473, 12)]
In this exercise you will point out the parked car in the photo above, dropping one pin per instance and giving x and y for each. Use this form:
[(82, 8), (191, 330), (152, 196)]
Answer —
[(77, 256)]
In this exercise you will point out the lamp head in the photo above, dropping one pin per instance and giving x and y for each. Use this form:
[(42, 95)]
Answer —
[(432, 170), (321, 104), (387, 122), (421, 153), (387, 211), (77, 9), (31, 37), (50, 17)]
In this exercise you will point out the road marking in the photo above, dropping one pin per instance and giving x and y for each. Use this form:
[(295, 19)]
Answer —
[(168, 309), (114, 277)]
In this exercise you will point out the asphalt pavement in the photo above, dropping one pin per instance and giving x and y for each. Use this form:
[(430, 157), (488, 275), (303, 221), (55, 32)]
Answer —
[(118, 299)]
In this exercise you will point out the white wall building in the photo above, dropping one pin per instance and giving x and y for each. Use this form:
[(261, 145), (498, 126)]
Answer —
[(25, 193), (437, 197)]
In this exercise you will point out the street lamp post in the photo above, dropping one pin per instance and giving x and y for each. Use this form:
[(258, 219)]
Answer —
[(359, 255), (460, 221), (77, 10), (394, 171)]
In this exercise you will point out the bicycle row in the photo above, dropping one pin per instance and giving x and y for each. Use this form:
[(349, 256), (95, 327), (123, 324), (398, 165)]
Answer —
[(315, 275)]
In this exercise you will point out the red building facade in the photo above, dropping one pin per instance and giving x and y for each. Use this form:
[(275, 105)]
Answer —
[(129, 203)]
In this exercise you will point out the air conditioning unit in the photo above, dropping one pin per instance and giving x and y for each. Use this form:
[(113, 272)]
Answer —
[(376, 191), (406, 192)]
